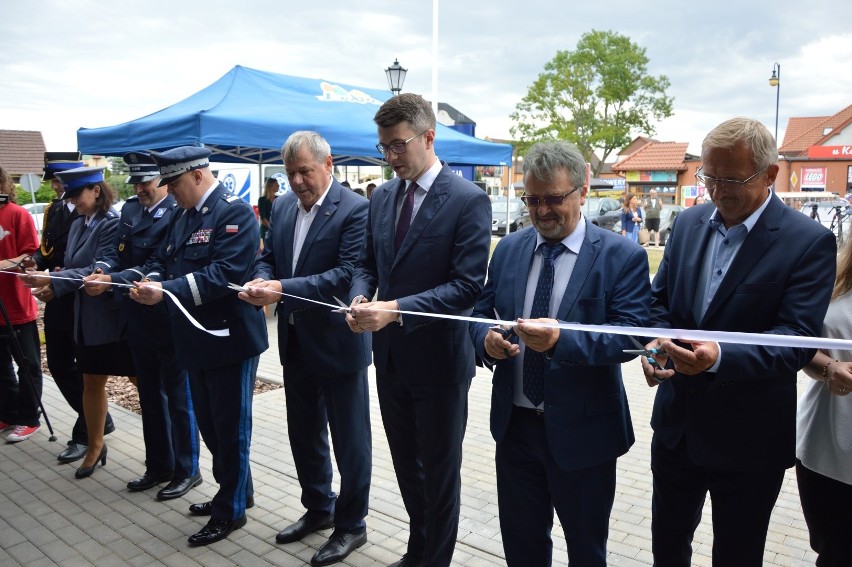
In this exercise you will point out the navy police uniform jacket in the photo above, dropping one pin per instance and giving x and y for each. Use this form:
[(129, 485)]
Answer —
[(136, 240), (96, 317), (203, 252), (56, 226)]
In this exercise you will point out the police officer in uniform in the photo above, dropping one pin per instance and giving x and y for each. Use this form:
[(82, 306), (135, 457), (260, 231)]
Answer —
[(59, 311), (168, 419), (212, 242)]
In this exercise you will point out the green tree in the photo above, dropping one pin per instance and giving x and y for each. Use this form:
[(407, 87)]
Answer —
[(115, 175), (595, 97)]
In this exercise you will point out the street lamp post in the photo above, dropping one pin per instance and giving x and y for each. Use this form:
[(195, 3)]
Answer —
[(396, 77), (775, 81)]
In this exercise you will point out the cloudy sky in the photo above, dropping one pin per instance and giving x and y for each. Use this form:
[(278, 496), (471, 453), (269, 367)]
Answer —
[(67, 64)]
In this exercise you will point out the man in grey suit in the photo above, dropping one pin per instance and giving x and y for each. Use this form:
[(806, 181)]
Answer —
[(426, 250), (315, 233)]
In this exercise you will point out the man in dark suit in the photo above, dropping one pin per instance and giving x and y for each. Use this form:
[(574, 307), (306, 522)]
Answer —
[(59, 311), (559, 411), (213, 242), (168, 420), (315, 233), (724, 414), (426, 250)]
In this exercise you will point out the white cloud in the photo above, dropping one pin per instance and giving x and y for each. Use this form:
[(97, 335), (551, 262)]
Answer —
[(67, 64)]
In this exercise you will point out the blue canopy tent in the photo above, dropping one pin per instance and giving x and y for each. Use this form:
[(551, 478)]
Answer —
[(246, 116)]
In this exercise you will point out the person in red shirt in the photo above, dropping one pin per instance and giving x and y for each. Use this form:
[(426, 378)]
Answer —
[(19, 398)]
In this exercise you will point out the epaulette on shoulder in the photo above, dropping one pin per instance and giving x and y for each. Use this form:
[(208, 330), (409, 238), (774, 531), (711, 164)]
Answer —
[(132, 198), (111, 214), (231, 198)]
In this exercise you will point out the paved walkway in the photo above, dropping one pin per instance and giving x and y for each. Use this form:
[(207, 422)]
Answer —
[(49, 518)]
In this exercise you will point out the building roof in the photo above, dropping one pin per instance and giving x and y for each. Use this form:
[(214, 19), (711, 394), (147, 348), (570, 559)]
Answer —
[(806, 131), (637, 143), (21, 151), (655, 156)]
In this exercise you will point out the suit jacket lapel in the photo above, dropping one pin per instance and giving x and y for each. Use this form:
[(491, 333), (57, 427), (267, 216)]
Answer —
[(288, 232), (329, 205), (73, 238), (435, 199), (524, 259), (141, 221), (758, 240), (389, 213), (588, 254)]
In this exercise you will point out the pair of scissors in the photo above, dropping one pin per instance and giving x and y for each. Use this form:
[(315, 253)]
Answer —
[(646, 352), (344, 308), (507, 334)]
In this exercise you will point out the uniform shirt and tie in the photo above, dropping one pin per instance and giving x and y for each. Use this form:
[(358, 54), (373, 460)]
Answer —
[(563, 266)]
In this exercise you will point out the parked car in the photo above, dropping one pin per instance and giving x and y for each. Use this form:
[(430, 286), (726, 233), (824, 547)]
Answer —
[(37, 212), (519, 216), (667, 217), (603, 212)]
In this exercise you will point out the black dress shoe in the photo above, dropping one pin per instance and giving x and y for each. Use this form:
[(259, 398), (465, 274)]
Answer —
[(206, 508), (73, 452), (307, 524), (179, 487), (216, 530), (407, 561), (85, 472), (338, 546), (148, 480)]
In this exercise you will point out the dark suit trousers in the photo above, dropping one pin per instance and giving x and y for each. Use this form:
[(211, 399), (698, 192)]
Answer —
[(742, 504), (827, 505), (316, 404), (530, 485), (222, 399), (168, 418), (425, 425), (61, 361)]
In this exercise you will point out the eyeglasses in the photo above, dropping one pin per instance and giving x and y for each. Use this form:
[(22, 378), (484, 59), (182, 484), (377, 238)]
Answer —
[(714, 183), (549, 200), (396, 147)]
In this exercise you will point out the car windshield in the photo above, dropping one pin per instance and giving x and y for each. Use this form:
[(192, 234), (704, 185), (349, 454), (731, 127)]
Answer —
[(500, 206)]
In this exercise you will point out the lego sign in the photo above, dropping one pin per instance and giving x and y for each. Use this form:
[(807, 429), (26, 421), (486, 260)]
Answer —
[(813, 177), (830, 152)]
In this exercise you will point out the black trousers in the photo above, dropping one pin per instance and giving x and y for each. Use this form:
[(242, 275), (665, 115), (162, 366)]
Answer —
[(827, 505), (61, 361), (19, 398)]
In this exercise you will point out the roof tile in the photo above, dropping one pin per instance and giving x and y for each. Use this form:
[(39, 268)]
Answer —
[(655, 156), (21, 151)]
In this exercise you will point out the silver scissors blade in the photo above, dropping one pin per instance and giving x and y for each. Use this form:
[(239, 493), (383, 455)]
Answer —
[(237, 287), (343, 307)]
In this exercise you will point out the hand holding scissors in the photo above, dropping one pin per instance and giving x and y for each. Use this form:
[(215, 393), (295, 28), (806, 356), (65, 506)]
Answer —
[(495, 346), (651, 355)]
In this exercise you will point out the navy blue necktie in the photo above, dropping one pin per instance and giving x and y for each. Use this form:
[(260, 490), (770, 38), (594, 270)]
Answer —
[(404, 222), (535, 362)]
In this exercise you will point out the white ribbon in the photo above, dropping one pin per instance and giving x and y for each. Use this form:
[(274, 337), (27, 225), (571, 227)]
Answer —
[(760, 339), (170, 295)]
